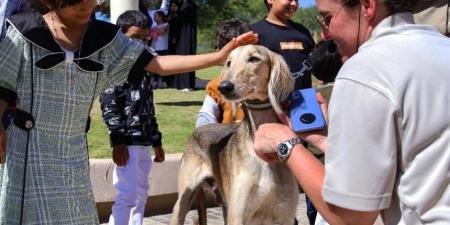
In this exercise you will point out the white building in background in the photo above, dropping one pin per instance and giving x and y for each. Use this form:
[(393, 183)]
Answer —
[(120, 6)]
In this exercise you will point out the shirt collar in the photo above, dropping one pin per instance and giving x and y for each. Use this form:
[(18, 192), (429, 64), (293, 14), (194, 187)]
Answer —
[(34, 29)]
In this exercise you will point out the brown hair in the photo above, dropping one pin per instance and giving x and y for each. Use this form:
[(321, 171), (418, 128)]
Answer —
[(396, 6), (267, 5), (393, 6), (45, 5)]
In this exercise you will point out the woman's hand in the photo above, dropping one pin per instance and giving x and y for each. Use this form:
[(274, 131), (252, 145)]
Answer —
[(159, 154), (243, 39), (268, 137), (318, 138)]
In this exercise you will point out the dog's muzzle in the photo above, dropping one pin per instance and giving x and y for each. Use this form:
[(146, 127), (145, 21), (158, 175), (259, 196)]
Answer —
[(226, 88)]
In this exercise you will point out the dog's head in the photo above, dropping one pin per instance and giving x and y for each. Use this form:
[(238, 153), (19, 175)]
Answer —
[(253, 72)]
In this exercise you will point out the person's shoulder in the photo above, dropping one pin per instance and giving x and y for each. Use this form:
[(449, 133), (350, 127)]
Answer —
[(98, 36), (258, 25), (103, 26), (26, 22), (298, 26), (301, 28)]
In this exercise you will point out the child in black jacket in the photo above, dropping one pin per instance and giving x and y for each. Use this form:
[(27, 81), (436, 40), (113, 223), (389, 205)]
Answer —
[(129, 114)]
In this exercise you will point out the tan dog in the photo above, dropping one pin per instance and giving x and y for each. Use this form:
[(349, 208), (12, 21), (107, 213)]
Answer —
[(253, 192)]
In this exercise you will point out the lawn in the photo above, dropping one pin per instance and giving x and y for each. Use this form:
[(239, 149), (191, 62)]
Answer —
[(176, 112)]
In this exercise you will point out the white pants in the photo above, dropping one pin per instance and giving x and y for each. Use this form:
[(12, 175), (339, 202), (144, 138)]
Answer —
[(131, 183)]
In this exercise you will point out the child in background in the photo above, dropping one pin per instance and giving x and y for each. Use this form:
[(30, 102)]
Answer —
[(160, 43), (129, 114), (291, 40), (54, 65)]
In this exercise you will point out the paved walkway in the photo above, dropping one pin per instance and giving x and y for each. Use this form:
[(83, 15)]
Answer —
[(215, 216)]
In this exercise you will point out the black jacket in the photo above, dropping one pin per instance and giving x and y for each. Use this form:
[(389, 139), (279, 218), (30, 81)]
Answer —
[(129, 114)]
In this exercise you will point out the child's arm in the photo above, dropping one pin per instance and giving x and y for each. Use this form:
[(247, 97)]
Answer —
[(156, 137), (173, 64), (162, 29), (112, 107), (210, 111)]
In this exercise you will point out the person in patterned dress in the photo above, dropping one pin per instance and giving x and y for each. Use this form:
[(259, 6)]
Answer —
[(52, 68)]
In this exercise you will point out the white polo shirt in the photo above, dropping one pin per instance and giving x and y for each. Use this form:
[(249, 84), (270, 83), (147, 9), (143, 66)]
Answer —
[(389, 129)]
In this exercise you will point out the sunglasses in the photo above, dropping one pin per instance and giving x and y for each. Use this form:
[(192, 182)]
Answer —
[(325, 20)]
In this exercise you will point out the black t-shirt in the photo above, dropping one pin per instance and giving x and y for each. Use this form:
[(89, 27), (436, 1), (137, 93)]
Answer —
[(293, 42)]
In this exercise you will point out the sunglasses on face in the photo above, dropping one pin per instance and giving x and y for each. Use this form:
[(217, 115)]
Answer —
[(325, 20)]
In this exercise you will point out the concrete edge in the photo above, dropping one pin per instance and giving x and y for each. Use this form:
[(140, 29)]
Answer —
[(163, 191)]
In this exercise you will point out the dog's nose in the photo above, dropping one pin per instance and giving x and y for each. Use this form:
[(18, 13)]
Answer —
[(226, 87)]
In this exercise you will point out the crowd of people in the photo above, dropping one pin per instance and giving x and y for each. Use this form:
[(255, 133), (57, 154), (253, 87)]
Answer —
[(173, 31), (386, 146)]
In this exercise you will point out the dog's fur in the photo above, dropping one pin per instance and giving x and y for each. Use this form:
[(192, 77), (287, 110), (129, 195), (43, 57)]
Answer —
[(253, 192)]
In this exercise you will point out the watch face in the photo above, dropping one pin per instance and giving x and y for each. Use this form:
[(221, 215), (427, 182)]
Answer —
[(283, 149)]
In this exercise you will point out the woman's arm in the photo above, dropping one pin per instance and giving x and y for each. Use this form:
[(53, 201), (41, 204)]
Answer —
[(309, 173)]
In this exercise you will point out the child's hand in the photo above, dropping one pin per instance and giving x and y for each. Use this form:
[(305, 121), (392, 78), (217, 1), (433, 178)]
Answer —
[(243, 39), (159, 154), (120, 155)]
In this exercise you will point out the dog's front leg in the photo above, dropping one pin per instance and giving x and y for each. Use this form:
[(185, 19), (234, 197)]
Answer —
[(238, 211)]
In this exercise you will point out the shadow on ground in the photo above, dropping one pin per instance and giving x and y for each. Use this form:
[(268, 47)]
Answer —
[(182, 103)]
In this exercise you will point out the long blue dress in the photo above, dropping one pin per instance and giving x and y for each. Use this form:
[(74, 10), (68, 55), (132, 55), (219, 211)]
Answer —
[(45, 179)]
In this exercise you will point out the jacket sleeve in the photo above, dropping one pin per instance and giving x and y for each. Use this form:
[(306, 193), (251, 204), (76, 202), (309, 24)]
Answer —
[(155, 133), (112, 105)]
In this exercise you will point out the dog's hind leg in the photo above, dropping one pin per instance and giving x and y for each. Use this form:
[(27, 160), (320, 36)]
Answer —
[(193, 171), (201, 206)]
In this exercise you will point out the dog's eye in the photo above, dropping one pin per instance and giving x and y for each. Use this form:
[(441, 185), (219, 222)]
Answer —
[(254, 59), (228, 63)]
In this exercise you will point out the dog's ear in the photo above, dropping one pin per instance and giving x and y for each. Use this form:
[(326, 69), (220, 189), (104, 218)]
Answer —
[(281, 83)]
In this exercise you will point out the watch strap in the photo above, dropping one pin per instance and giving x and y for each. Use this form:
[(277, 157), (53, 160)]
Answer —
[(290, 144)]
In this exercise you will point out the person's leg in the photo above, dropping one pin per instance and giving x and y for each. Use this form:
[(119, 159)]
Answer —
[(124, 181), (144, 166), (311, 211)]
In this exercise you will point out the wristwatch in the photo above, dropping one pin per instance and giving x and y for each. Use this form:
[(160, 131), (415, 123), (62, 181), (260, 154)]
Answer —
[(284, 149)]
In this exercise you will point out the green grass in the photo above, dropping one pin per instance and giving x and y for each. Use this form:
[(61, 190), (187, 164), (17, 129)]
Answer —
[(176, 113)]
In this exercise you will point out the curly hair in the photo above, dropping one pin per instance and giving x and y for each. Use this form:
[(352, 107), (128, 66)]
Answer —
[(228, 30)]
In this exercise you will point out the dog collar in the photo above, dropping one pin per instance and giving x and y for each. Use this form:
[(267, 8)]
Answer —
[(258, 104)]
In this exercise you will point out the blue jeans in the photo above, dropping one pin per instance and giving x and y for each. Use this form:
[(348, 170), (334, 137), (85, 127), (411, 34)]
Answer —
[(311, 211)]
